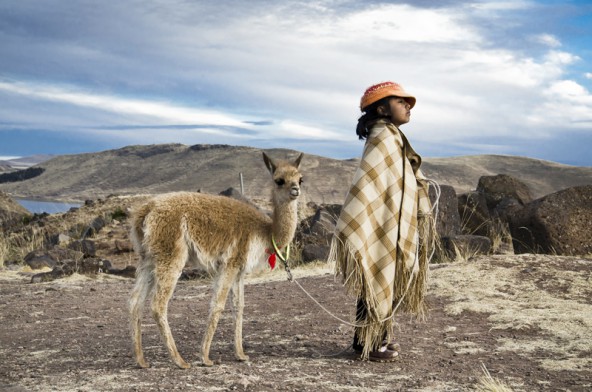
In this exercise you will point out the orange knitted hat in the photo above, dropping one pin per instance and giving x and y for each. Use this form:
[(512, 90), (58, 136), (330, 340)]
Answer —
[(386, 89)]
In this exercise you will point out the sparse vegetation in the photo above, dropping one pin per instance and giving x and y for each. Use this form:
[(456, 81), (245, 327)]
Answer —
[(118, 214), (489, 384), (499, 234), (15, 246), (4, 250), (519, 296), (39, 230)]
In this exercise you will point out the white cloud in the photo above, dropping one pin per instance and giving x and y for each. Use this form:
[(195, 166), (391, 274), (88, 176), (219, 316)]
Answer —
[(548, 40), (292, 129), (502, 5), (136, 112), (567, 89), (396, 23), (142, 109)]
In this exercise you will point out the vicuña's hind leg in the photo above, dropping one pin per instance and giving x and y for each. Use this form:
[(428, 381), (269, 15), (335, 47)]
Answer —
[(166, 280), (221, 289), (143, 286), (238, 299)]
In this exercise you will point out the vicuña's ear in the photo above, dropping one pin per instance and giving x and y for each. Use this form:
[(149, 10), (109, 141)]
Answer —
[(269, 163), (297, 161)]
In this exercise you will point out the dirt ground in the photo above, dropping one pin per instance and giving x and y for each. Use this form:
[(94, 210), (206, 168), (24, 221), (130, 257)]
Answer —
[(527, 319)]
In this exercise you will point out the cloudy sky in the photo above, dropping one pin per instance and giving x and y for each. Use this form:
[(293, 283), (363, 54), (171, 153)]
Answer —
[(490, 77)]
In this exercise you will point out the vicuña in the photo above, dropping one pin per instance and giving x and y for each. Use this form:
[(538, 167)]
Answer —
[(225, 236)]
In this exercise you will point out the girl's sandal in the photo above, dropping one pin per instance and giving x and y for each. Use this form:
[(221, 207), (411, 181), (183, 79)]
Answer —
[(392, 345), (383, 355)]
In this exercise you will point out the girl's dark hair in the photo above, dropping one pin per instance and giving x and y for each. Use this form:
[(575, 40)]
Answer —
[(370, 117)]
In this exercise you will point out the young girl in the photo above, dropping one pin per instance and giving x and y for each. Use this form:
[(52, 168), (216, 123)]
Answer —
[(381, 240)]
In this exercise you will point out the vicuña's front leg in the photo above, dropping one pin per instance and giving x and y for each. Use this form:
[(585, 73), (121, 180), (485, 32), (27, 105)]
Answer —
[(238, 299), (221, 289)]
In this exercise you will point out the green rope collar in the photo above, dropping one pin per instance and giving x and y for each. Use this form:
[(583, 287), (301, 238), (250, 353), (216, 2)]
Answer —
[(283, 257), (278, 252)]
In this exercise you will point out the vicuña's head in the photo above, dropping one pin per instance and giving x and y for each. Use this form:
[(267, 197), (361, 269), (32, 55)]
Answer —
[(286, 176)]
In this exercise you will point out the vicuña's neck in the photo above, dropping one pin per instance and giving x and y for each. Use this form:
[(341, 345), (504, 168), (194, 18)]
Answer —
[(285, 220)]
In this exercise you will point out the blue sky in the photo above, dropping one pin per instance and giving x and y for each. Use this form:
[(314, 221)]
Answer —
[(490, 77)]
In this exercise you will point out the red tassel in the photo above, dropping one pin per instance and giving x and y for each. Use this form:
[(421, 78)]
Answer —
[(271, 260)]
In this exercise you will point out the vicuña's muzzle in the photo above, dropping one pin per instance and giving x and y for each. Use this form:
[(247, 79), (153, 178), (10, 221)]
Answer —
[(295, 191)]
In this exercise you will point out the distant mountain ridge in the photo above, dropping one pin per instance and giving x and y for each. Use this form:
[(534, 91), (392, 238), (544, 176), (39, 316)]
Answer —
[(23, 162), (213, 168)]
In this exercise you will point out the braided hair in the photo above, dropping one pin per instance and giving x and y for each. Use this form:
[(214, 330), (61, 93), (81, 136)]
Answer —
[(371, 117)]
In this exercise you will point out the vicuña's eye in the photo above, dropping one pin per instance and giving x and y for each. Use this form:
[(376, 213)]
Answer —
[(280, 181), (301, 181)]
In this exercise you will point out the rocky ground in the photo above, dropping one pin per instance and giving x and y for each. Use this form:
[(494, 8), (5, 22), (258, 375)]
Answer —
[(526, 319)]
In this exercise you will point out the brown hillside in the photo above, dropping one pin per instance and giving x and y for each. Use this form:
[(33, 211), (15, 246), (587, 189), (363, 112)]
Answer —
[(10, 210), (7, 204), (214, 168)]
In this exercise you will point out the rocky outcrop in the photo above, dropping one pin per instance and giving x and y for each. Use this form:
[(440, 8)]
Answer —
[(90, 266), (485, 212), (448, 220), (502, 186), (559, 223), (314, 233), (95, 226), (86, 247), (39, 259), (453, 243), (495, 199)]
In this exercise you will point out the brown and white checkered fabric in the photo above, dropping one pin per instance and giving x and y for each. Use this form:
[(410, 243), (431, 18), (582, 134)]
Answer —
[(377, 236)]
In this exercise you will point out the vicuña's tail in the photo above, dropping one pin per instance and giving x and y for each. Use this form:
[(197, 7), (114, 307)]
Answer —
[(144, 285), (137, 230)]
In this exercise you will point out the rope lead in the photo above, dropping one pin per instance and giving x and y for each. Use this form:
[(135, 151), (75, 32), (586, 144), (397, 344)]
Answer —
[(283, 258)]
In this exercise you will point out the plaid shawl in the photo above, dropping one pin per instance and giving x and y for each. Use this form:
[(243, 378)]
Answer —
[(380, 245)]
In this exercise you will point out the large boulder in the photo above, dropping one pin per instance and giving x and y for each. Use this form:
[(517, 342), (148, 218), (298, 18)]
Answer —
[(506, 208), (503, 186), (42, 258), (559, 223), (314, 252), (86, 247), (314, 233), (95, 226), (89, 267), (448, 220)]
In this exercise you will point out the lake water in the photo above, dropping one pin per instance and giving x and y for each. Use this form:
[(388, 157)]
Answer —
[(51, 207)]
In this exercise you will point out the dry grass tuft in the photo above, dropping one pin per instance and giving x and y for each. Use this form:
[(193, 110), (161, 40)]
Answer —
[(489, 384), (15, 246), (4, 250)]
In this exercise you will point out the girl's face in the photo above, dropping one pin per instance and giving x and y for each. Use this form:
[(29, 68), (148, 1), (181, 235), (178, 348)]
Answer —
[(399, 111)]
